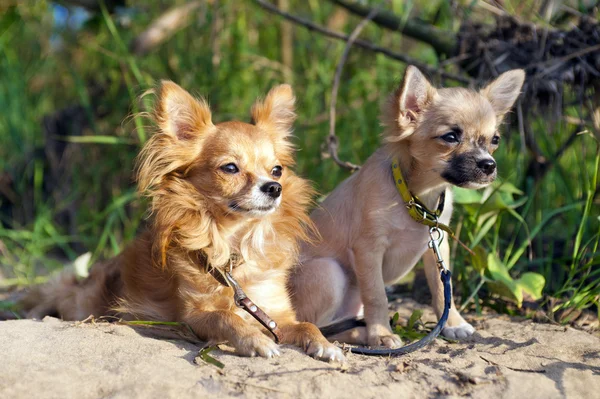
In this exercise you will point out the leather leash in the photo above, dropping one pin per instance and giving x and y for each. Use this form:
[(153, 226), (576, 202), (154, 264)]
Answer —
[(239, 296)]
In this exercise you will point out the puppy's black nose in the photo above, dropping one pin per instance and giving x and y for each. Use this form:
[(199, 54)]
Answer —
[(272, 188), (487, 165)]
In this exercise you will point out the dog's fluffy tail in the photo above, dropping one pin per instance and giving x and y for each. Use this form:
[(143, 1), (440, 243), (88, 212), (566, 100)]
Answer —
[(70, 299)]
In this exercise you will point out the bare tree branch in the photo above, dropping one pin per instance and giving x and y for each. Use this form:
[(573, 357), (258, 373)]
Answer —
[(363, 44), (442, 42), (332, 140), (164, 27), (94, 5)]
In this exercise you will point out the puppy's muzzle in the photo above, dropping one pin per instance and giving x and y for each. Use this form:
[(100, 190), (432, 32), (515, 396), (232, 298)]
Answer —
[(272, 189)]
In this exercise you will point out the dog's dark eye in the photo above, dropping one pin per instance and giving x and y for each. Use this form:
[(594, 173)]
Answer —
[(450, 137), (495, 140), (277, 171), (230, 168)]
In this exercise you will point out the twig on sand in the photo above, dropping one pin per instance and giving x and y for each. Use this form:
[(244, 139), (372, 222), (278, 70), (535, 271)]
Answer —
[(514, 368)]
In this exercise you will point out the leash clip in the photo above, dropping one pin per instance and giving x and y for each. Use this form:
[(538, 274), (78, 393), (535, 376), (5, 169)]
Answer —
[(436, 236), (238, 294)]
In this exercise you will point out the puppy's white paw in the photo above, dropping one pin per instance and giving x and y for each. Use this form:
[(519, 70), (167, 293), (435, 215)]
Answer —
[(257, 344), (463, 330), (325, 351), (391, 341)]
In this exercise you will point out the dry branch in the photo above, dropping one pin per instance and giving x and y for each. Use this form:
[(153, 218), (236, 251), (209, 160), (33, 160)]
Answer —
[(332, 140), (443, 42), (164, 27), (94, 5), (363, 44)]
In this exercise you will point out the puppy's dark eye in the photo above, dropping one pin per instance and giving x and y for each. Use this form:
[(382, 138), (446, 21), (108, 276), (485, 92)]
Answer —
[(450, 137), (277, 171), (230, 168), (495, 140)]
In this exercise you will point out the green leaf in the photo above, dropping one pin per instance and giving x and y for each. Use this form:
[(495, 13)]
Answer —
[(395, 319), (532, 283), (479, 260), (503, 284), (96, 139), (486, 225), (507, 187), (203, 354), (498, 201), (414, 317), (466, 196)]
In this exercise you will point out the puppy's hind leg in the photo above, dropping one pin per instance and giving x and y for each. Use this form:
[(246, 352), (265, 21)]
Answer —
[(318, 288)]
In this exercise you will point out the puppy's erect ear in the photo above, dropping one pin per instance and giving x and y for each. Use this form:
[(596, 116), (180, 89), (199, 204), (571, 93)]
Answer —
[(503, 92), (407, 103), (276, 111), (179, 114), (416, 93)]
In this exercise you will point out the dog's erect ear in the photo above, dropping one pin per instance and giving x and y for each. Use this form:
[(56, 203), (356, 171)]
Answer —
[(276, 111), (416, 93), (179, 114), (407, 103), (504, 90)]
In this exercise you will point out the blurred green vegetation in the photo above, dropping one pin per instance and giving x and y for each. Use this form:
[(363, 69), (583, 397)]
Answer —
[(70, 81)]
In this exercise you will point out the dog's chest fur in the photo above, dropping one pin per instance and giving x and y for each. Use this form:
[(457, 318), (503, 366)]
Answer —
[(370, 207)]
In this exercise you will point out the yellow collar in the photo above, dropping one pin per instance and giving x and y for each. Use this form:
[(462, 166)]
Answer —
[(416, 208)]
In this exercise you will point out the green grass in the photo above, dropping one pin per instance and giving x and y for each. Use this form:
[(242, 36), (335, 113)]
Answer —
[(554, 232)]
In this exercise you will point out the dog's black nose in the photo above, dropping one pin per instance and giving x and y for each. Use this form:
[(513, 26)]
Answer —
[(487, 165), (272, 188)]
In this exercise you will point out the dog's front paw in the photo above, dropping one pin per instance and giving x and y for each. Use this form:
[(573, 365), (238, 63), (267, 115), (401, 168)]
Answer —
[(256, 344), (463, 330), (325, 351), (391, 341)]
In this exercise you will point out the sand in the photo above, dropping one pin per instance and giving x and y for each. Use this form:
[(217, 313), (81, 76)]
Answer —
[(505, 359)]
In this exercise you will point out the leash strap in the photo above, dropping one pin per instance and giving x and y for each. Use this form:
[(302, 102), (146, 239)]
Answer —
[(239, 296), (436, 236), (446, 277)]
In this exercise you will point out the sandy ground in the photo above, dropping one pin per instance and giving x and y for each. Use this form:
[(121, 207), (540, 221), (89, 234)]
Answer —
[(506, 358)]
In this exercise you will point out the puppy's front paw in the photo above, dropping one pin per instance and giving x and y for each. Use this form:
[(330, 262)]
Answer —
[(256, 344), (325, 351), (391, 341), (463, 330)]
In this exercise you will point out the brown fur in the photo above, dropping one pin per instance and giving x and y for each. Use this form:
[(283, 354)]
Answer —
[(197, 206), (369, 239)]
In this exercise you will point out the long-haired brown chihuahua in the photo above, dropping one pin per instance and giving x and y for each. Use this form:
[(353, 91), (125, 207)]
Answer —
[(441, 137), (218, 192)]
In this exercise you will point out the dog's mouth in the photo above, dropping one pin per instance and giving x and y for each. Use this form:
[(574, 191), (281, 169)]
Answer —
[(256, 210), (468, 179)]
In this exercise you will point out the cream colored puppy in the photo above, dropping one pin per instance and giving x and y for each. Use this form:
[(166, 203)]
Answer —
[(441, 137)]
